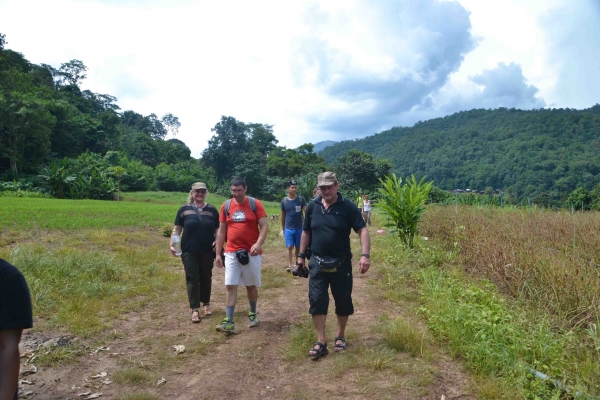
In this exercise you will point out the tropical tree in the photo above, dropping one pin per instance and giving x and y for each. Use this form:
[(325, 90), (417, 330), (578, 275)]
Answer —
[(58, 177), (357, 170)]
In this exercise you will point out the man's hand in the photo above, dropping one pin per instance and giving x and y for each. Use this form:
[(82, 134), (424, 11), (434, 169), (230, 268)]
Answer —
[(219, 262), (364, 265), (255, 249)]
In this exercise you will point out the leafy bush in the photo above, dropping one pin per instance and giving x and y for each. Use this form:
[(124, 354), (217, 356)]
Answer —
[(404, 204)]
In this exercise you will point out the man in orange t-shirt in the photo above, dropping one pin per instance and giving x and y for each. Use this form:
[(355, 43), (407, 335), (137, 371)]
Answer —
[(244, 225)]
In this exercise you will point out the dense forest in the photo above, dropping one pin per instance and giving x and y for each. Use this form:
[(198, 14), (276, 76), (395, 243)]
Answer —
[(541, 154), (59, 140)]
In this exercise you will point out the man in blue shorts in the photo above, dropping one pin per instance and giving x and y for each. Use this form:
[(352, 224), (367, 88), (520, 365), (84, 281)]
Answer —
[(292, 209)]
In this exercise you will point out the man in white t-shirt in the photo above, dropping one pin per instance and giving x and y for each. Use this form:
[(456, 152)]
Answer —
[(367, 209)]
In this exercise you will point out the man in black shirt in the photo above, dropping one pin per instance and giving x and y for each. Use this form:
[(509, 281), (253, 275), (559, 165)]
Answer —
[(15, 315), (327, 225)]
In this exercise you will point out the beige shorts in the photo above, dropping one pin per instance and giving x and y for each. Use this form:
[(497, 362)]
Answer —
[(238, 274)]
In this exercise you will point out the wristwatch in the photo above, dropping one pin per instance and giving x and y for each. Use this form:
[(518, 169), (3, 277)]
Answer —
[(366, 255), (302, 255)]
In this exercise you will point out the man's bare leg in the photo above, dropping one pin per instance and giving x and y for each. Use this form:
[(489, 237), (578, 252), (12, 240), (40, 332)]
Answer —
[(252, 292), (341, 328), (9, 362), (289, 256), (231, 295), (319, 321)]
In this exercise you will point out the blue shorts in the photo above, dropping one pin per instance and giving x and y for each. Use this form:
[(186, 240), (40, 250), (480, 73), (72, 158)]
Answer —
[(292, 237)]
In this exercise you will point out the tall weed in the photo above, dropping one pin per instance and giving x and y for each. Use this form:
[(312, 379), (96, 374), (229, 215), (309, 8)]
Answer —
[(550, 259)]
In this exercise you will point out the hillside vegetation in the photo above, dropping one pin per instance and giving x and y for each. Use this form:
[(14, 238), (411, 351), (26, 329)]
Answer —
[(543, 154)]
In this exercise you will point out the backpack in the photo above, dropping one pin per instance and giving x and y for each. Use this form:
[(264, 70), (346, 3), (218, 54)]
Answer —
[(252, 201)]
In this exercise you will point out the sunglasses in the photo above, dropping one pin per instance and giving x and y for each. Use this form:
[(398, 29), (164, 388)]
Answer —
[(200, 191)]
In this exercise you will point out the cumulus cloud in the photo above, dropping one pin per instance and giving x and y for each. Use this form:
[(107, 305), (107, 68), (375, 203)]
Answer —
[(573, 37), (377, 60), (503, 86)]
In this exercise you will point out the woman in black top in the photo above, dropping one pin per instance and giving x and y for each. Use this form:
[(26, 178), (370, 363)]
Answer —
[(199, 221)]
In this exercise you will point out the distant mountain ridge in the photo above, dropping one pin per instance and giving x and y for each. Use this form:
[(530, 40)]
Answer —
[(544, 154), (319, 146)]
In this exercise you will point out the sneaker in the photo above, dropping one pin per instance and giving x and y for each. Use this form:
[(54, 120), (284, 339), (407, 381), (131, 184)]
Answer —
[(288, 270), (252, 320), (226, 326)]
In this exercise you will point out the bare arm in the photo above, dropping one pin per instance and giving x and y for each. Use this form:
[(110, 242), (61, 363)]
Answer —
[(304, 241), (221, 235), (283, 220), (365, 245), (263, 225)]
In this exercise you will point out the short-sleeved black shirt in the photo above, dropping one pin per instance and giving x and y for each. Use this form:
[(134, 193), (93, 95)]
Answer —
[(196, 236), (330, 229), (15, 301)]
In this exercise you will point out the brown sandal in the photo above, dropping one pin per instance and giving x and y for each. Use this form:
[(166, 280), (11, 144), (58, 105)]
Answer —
[(195, 316), (207, 311)]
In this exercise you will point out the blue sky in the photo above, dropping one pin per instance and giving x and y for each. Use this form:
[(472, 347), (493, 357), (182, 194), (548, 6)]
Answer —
[(314, 70)]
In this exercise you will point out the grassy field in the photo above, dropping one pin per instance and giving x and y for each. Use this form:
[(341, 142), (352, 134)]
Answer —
[(139, 210), (515, 292), (81, 255), (512, 293)]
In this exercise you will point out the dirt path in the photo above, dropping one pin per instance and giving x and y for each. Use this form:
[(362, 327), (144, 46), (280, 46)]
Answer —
[(252, 364)]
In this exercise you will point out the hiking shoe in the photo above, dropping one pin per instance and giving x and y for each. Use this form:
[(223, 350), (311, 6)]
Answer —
[(252, 320), (226, 326)]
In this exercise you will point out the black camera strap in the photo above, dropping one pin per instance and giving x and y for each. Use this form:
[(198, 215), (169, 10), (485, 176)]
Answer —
[(198, 214)]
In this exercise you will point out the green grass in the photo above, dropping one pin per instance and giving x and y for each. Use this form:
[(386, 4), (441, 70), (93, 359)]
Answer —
[(271, 207), (52, 214), (58, 355), (134, 376), (77, 285)]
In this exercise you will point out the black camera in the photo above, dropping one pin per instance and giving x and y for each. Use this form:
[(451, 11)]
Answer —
[(300, 271)]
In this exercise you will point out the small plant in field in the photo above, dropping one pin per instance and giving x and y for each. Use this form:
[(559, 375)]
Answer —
[(404, 204), (402, 336), (166, 229), (132, 375)]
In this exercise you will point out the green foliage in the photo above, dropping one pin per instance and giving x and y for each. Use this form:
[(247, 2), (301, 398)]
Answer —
[(404, 204), (57, 177), (45, 116), (357, 170), (437, 195), (579, 199)]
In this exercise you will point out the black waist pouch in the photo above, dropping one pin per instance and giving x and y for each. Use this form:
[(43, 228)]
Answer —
[(242, 256), (329, 264)]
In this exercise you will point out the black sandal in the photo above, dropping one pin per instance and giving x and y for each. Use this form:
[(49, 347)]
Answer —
[(339, 346), (318, 353)]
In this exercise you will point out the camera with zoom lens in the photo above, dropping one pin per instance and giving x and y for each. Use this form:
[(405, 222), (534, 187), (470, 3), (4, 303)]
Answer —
[(300, 271)]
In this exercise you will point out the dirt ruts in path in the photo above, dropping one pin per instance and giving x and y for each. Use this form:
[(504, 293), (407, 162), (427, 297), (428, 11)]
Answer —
[(250, 364)]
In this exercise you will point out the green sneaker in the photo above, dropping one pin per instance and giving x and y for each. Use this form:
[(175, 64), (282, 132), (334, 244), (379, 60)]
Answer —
[(252, 320), (226, 326)]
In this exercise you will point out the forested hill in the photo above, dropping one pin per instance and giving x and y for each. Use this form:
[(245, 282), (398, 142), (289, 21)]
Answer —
[(544, 154)]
